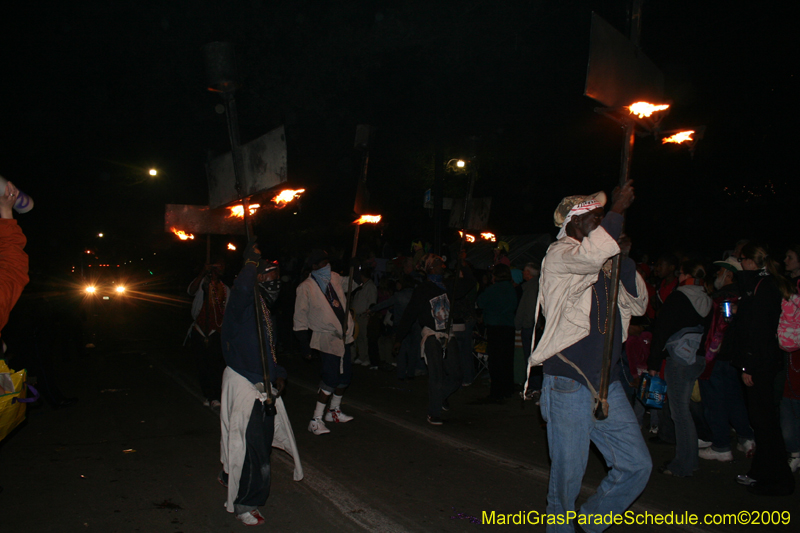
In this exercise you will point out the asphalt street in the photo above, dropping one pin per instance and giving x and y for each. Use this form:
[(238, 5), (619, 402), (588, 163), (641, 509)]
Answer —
[(140, 453)]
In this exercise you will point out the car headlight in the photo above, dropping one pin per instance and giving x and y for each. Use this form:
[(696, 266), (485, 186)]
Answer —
[(120, 288), (90, 289)]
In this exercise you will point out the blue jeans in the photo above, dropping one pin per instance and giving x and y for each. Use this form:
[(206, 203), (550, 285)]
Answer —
[(724, 405), (332, 377), (465, 347), (444, 373), (567, 408), (680, 382), (408, 357), (790, 424)]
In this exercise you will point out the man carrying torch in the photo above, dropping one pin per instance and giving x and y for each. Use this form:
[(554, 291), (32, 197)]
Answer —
[(247, 415), (574, 292)]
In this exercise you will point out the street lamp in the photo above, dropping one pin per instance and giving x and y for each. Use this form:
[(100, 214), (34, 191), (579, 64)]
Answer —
[(153, 172)]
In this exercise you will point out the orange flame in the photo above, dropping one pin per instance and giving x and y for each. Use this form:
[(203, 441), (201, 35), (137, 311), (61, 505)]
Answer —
[(287, 195), (679, 137), (182, 235), (231, 246), (644, 109), (488, 236), (238, 210), (469, 238), (368, 219)]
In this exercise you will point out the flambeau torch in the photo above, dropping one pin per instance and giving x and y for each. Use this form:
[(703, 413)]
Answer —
[(641, 110), (221, 72)]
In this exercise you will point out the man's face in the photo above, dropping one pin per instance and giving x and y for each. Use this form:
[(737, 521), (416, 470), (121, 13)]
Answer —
[(268, 276), (319, 265), (662, 269), (724, 277), (588, 222)]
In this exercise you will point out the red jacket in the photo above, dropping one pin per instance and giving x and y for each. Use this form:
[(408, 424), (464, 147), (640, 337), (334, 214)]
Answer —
[(13, 266)]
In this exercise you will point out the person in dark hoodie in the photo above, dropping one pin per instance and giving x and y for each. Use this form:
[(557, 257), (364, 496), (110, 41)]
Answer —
[(687, 307), (247, 420), (759, 356), (430, 306)]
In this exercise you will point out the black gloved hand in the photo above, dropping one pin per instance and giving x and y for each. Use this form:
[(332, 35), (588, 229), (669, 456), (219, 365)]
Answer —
[(252, 253)]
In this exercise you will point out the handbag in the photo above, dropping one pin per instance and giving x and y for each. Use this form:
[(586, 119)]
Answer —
[(13, 398)]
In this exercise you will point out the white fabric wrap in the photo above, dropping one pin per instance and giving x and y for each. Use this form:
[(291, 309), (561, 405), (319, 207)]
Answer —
[(237, 399)]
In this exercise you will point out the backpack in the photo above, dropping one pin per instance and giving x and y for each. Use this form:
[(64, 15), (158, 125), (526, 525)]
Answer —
[(684, 343), (789, 324)]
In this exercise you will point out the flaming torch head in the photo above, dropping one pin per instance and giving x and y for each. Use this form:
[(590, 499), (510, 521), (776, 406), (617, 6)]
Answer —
[(645, 109), (182, 235), (368, 219), (679, 137), (238, 210), (488, 236), (286, 196), (231, 246)]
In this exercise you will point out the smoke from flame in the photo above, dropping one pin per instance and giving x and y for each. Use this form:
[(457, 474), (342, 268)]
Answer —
[(182, 235), (368, 219), (238, 210), (679, 137), (644, 109), (287, 195)]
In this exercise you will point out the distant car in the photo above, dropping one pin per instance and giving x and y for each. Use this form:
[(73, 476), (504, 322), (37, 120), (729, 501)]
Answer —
[(104, 289)]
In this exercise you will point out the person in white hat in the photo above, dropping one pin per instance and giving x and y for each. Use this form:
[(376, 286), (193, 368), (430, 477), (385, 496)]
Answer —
[(574, 289)]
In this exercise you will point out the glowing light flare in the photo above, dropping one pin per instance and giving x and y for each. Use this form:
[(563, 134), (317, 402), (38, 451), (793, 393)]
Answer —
[(90, 289), (231, 246), (645, 109), (679, 137), (368, 219), (120, 289), (286, 196), (153, 172), (182, 235), (461, 163), (468, 238), (238, 210), (488, 236)]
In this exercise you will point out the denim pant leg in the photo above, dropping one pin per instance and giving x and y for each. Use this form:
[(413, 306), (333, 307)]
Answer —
[(254, 483), (465, 351), (680, 382), (434, 354), (404, 368), (735, 403), (620, 440), (790, 424), (566, 406), (453, 370)]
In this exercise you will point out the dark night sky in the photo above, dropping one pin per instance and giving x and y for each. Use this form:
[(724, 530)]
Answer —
[(97, 92)]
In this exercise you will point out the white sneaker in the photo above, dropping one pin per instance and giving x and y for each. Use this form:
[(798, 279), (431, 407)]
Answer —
[(748, 447), (794, 463), (711, 455), (336, 415), (317, 427), (365, 363), (703, 443), (250, 518)]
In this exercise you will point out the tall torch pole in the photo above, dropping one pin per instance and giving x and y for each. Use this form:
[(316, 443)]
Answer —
[(221, 71), (625, 169), (362, 143)]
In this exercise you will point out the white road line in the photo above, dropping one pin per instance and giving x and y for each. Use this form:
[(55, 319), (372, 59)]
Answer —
[(537, 472), (347, 503)]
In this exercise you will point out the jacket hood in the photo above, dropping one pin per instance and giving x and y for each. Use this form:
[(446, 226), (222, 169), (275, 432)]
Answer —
[(700, 300)]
